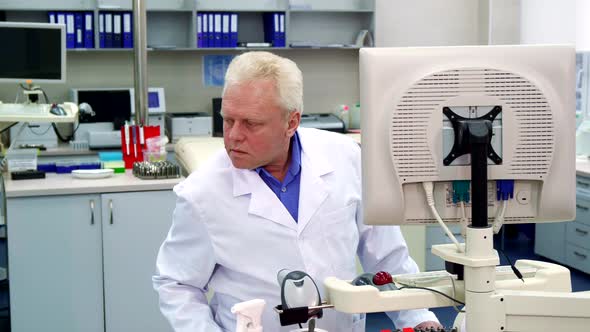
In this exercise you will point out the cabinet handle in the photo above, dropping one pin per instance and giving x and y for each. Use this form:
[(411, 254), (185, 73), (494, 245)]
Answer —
[(581, 207), (580, 255), (111, 208), (583, 184), (581, 231), (91, 212)]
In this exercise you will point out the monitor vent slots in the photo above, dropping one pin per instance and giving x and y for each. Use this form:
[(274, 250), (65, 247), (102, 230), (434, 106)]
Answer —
[(410, 119)]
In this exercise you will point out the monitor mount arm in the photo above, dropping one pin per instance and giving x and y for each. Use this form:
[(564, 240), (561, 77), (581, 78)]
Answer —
[(474, 136)]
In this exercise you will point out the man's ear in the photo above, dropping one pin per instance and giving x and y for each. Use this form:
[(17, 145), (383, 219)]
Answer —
[(293, 122)]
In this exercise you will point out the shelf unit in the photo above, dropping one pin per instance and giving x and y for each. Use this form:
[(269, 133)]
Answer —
[(173, 23)]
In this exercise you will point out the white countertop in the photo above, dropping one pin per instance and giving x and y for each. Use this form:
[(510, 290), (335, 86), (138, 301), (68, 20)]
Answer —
[(65, 184)]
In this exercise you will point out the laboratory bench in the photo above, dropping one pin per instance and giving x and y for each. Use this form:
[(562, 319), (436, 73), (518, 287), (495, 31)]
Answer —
[(568, 243), (81, 253)]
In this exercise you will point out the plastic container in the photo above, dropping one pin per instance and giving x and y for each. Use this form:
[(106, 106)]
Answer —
[(117, 166), (110, 156), (22, 159), (152, 156)]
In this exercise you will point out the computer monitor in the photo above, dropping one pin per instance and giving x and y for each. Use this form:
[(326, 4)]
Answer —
[(408, 137), (32, 51)]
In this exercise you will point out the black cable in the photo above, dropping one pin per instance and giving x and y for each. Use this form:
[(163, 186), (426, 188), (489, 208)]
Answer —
[(434, 291), (514, 269)]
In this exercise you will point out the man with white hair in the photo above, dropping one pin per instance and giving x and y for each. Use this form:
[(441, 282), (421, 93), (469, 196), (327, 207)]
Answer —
[(278, 197)]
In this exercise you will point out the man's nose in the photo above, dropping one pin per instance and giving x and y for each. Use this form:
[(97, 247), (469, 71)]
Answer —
[(236, 133)]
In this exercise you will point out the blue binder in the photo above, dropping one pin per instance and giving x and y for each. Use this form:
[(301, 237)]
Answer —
[(199, 30), (218, 31), (117, 35), (225, 30), (233, 30), (101, 30), (205, 23), (211, 42), (61, 18), (271, 28), (70, 31), (88, 30), (108, 30), (282, 35), (276, 25), (79, 28), (51, 17), (127, 30)]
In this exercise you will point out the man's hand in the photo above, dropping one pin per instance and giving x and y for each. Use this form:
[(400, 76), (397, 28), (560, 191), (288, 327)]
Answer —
[(428, 325)]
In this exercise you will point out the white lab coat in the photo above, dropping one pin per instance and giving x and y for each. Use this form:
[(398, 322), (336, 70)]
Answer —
[(231, 233)]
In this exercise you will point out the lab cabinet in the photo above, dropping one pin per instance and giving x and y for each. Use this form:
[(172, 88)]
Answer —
[(85, 262), (568, 243), (133, 228), (54, 263)]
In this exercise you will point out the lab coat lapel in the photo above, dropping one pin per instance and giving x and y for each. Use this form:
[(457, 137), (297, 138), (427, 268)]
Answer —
[(263, 202), (313, 189)]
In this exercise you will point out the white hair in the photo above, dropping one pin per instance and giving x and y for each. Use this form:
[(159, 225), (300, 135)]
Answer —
[(288, 79)]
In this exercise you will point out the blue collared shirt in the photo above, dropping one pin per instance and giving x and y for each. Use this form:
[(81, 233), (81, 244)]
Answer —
[(288, 190)]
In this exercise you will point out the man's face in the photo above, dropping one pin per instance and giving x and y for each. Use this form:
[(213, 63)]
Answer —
[(256, 130)]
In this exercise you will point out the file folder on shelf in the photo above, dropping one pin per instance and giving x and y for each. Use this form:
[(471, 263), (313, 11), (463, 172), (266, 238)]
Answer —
[(70, 31), (88, 30), (51, 17), (108, 30), (200, 30), (61, 18), (225, 30), (101, 30), (234, 30), (282, 37), (211, 39), (127, 31), (218, 31), (79, 29), (117, 41)]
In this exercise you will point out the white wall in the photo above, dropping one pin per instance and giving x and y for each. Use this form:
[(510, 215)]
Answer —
[(504, 17), (548, 21), (583, 25), (426, 22)]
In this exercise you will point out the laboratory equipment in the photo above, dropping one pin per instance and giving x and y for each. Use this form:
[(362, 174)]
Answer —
[(323, 121), (93, 173), (249, 315), (36, 54), (408, 135), (156, 170), (113, 107), (188, 124), (32, 52)]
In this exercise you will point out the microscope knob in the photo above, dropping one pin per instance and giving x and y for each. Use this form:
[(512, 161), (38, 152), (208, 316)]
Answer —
[(382, 278)]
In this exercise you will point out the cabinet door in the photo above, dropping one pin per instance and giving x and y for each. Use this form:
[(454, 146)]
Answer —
[(134, 226), (55, 256), (550, 239)]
